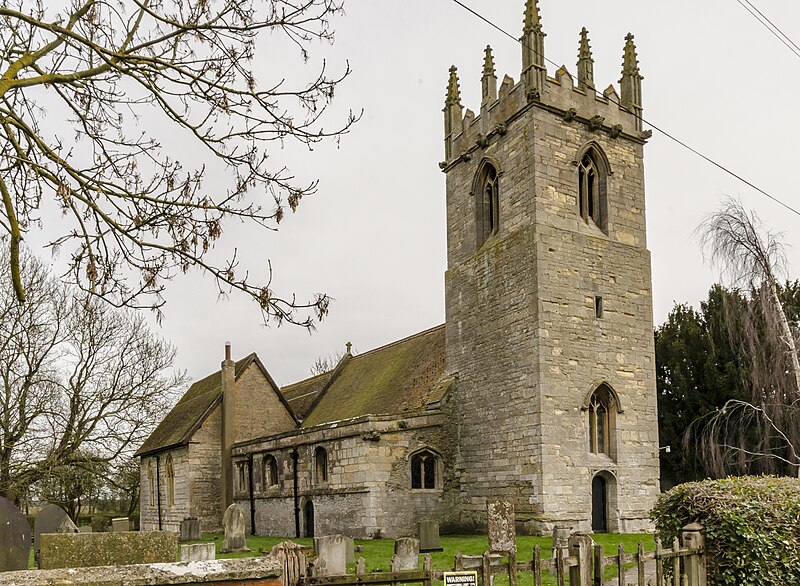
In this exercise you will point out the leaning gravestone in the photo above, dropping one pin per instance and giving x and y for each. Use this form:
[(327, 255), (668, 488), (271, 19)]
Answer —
[(51, 519), (500, 522), (233, 522), (15, 538), (331, 553), (190, 529), (406, 554)]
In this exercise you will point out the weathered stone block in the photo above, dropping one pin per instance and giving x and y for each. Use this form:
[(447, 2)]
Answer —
[(198, 552), (78, 550)]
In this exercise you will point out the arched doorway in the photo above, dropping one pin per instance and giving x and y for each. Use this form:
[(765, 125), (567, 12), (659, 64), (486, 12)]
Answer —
[(308, 519), (599, 504)]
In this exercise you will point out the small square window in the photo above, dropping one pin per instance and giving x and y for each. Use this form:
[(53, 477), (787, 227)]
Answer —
[(598, 306)]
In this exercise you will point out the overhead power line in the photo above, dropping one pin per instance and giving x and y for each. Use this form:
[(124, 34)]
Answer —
[(658, 129), (770, 26)]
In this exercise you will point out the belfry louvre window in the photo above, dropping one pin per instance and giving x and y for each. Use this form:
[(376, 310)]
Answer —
[(488, 202), (592, 189), (424, 466)]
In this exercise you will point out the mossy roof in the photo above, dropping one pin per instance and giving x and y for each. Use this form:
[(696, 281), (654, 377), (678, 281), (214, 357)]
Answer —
[(301, 395), (190, 412), (401, 377)]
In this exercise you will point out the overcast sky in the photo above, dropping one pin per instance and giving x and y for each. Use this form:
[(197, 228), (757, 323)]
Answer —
[(374, 236)]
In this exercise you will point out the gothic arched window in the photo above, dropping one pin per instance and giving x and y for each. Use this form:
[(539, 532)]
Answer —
[(321, 464), (169, 472), (151, 483), (269, 469), (592, 201), (487, 191), (602, 419), (424, 470)]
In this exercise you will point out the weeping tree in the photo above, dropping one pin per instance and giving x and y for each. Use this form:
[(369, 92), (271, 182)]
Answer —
[(762, 433), (150, 125)]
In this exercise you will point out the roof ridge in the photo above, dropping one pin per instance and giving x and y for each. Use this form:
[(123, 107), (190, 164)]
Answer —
[(400, 341), (305, 380)]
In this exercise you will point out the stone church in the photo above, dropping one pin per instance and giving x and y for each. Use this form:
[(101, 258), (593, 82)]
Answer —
[(539, 388)]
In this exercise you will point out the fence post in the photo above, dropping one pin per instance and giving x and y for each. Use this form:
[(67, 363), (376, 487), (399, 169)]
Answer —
[(580, 546), (621, 565), (486, 569), (640, 563), (599, 565), (537, 566), (695, 565), (458, 563), (512, 568)]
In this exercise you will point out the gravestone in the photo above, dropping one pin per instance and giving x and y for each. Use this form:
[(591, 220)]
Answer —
[(406, 554), (198, 552), (560, 540), (233, 521), (429, 536), (331, 555), (500, 522), (15, 538), (51, 519), (85, 529), (120, 524), (361, 566), (350, 550), (293, 561), (190, 529)]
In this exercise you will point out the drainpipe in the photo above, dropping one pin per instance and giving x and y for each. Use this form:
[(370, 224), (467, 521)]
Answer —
[(295, 457), (252, 496), (158, 489)]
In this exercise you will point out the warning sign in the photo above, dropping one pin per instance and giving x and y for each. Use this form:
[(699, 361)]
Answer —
[(460, 578)]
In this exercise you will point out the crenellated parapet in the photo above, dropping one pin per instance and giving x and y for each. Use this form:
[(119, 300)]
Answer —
[(576, 99)]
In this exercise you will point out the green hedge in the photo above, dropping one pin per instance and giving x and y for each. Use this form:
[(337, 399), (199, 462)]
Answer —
[(752, 527)]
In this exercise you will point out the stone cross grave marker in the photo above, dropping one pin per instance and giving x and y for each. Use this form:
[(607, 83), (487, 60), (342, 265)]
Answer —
[(500, 522), (406, 554), (15, 538), (331, 555), (190, 529), (233, 521), (51, 519)]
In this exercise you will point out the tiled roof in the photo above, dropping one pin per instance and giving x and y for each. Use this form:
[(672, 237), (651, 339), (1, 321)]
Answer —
[(401, 377), (189, 413)]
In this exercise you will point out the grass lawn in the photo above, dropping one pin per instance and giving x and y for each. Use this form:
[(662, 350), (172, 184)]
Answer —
[(378, 552)]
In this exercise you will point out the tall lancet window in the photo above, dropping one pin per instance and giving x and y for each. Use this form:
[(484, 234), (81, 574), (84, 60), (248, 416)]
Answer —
[(592, 204), (488, 201), (602, 419)]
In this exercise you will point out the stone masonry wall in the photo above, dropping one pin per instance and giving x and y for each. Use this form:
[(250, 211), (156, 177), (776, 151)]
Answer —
[(521, 331), (171, 514), (259, 411), (368, 492), (205, 458)]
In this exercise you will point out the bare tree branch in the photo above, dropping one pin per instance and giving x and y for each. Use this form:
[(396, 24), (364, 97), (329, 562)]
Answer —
[(135, 215)]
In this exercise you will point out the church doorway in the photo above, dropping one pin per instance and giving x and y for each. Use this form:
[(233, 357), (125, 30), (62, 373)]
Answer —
[(599, 504), (308, 518)]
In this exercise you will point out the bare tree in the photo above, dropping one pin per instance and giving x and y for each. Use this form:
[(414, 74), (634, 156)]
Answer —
[(762, 434), (82, 383), (136, 210)]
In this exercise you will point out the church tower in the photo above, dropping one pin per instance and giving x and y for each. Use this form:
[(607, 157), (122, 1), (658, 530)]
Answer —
[(548, 295)]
